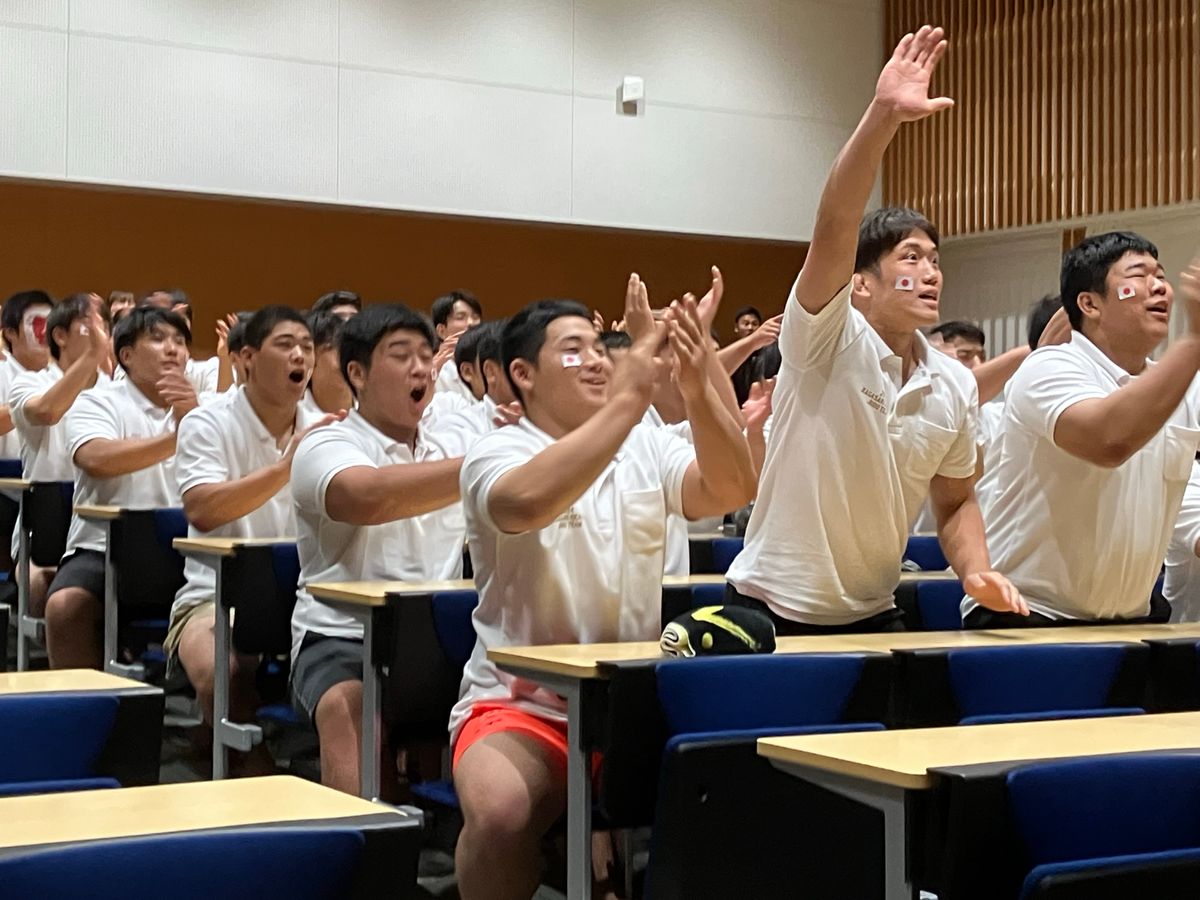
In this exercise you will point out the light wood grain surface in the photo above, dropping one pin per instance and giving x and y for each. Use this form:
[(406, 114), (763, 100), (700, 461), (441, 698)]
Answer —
[(59, 680), (223, 546), (98, 512)]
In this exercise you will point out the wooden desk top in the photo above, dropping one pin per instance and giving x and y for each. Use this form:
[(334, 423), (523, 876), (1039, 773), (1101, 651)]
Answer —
[(64, 680), (13, 484), (98, 512), (223, 546), (161, 809), (903, 758), (375, 593)]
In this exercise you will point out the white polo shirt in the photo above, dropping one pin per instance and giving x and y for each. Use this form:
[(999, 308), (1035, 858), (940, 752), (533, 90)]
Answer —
[(1080, 541), (849, 460), (44, 455), (117, 411), (594, 574), (990, 416), (428, 547), (10, 371), (678, 560), (224, 442), (1181, 586), (442, 406), (460, 430), (449, 382)]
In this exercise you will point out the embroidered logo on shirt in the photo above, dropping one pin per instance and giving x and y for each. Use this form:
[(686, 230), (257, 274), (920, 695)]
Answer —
[(876, 400), (570, 519)]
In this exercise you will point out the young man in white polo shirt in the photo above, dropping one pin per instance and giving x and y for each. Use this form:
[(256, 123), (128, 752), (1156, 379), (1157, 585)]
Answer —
[(233, 466), (1181, 587), (77, 337), (497, 406), (868, 419), (327, 389), (566, 517), (24, 327), (121, 437), (453, 314), (376, 498), (1097, 444)]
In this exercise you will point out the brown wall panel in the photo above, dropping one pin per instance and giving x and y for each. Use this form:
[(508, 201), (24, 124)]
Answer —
[(1065, 109), (232, 254)]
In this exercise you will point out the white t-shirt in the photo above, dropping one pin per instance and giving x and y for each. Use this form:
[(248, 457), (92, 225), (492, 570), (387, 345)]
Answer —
[(44, 455), (428, 547), (117, 411), (678, 559), (594, 574), (10, 371), (1080, 541), (849, 460), (224, 442), (1181, 586)]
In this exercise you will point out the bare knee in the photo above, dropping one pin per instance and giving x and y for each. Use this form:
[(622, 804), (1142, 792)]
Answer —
[(196, 653), (72, 606), (508, 790), (339, 711)]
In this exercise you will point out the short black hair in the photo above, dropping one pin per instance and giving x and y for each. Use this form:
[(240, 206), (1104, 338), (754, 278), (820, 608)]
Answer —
[(326, 328), (467, 348), (490, 346), (237, 332), (15, 306), (957, 328), (1040, 315), (883, 229), (443, 306), (1085, 267), (525, 332), (263, 322), (76, 306), (748, 311), (142, 320), (326, 302), (616, 340), (362, 334)]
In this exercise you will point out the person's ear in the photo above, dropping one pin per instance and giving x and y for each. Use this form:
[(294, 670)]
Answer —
[(357, 373), (522, 374), (1089, 303)]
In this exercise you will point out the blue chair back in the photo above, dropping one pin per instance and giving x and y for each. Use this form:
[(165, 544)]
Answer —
[(168, 525), (724, 551), (54, 737), (56, 786), (452, 624), (707, 595), (10, 468), (938, 603), (926, 552), (1106, 806), (285, 561), (299, 863), (1013, 683), (739, 693)]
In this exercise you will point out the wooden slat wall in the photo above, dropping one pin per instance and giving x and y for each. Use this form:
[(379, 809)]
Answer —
[(1065, 109)]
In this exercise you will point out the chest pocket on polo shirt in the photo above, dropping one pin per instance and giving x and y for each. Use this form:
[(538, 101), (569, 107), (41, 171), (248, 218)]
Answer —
[(920, 448), (1179, 451), (644, 521)]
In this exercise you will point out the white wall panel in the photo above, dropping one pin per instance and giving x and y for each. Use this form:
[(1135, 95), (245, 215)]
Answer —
[(33, 102), (512, 42), (148, 114), (40, 13), (702, 171), (301, 29), (432, 144)]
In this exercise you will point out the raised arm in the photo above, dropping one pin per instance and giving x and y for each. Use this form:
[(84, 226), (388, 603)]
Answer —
[(49, 408), (1109, 430), (732, 357), (901, 95), (367, 496)]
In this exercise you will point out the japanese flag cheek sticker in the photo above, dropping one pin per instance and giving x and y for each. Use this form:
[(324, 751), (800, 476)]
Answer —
[(1126, 292), (572, 360), (904, 283)]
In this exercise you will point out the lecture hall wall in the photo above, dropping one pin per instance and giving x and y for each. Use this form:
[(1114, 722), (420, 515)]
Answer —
[(265, 150)]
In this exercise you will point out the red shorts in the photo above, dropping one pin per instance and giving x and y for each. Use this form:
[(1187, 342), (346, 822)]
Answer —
[(494, 718)]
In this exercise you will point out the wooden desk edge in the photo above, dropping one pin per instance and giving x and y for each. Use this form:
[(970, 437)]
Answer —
[(104, 513), (513, 660), (14, 484), (214, 546), (782, 755)]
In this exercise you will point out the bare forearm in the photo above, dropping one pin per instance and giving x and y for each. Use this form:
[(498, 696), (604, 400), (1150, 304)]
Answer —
[(224, 374), (368, 496), (993, 375), (50, 407), (961, 534), (533, 495), (104, 458), (732, 357), (728, 477), (757, 442), (721, 383), (6, 422), (210, 506)]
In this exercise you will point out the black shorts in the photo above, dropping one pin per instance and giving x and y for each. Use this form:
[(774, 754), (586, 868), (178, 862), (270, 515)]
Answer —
[(82, 569), (322, 662)]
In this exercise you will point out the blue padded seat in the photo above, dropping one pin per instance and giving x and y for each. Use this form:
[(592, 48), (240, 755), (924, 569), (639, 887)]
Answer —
[(54, 737), (707, 595), (724, 551), (938, 603), (926, 552), (1015, 683), (1168, 875), (299, 864)]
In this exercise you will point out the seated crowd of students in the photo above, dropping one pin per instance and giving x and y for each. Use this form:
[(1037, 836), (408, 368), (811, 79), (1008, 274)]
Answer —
[(570, 458)]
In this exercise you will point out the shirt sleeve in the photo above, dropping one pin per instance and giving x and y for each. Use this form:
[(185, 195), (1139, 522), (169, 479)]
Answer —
[(93, 416), (1187, 524), (23, 388), (204, 375), (1050, 382), (200, 454), (488, 460), (322, 455), (808, 340), (960, 460)]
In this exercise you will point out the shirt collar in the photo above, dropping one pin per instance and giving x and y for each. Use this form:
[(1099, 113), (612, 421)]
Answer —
[(357, 421), (1083, 345), (144, 403), (250, 416)]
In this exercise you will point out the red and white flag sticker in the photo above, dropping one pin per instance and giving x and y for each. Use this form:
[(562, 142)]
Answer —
[(571, 360), (1126, 292), (904, 283)]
